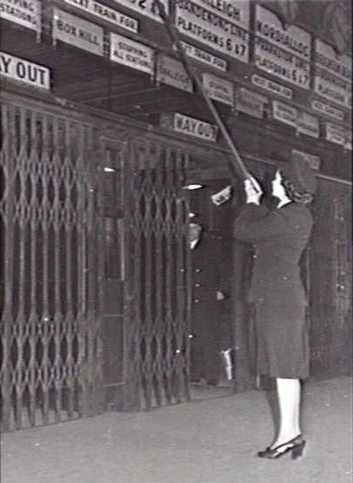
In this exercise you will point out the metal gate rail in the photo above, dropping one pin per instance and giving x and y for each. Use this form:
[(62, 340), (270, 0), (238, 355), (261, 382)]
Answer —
[(50, 349), (159, 284)]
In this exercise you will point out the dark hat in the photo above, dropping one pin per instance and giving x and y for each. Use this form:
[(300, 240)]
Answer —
[(299, 173)]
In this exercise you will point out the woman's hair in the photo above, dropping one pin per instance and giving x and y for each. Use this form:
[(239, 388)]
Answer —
[(295, 192)]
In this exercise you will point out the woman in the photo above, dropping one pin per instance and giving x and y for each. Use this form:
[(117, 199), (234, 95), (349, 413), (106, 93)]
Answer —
[(279, 238)]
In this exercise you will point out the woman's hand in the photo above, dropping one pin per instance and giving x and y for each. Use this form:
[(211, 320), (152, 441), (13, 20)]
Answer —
[(253, 190)]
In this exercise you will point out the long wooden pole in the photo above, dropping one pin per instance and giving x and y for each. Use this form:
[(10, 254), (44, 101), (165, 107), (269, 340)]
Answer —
[(236, 167)]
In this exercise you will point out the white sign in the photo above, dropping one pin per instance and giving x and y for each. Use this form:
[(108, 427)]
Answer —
[(24, 71), (284, 113), (222, 26), (144, 7), (130, 53), (250, 102), (218, 89), (333, 75), (190, 126), (308, 124), (283, 53), (203, 56), (327, 110), (314, 161), (222, 196), (78, 32), (172, 72), (106, 13), (272, 86), (25, 13), (334, 133)]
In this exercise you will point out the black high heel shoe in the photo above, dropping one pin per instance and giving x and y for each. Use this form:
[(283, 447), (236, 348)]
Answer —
[(294, 446)]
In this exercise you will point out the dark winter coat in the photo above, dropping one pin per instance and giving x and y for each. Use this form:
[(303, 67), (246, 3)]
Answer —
[(279, 238)]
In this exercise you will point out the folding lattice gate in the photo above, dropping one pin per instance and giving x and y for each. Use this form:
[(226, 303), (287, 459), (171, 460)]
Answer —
[(52, 263), (158, 285)]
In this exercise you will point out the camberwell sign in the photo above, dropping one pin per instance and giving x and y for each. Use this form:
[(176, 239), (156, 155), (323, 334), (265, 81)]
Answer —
[(24, 71), (190, 126)]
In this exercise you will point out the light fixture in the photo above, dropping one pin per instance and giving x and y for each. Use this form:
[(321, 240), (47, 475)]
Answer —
[(193, 186), (107, 169)]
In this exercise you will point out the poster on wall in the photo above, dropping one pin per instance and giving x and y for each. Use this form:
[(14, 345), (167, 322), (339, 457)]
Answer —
[(144, 7), (333, 75), (78, 32), (222, 26), (27, 14), (283, 53)]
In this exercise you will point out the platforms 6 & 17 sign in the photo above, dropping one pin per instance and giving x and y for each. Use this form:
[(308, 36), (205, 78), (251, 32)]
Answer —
[(283, 53), (222, 26)]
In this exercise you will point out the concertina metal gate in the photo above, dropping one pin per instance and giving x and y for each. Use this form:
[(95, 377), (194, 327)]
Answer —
[(51, 263)]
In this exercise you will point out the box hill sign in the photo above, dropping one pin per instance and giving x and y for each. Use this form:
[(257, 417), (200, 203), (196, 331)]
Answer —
[(78, 32), (24, 71)]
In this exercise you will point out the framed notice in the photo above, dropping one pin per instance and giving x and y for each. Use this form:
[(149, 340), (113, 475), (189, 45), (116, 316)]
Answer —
[(172, 72), (218, 89), (144, 7), (106, 13), (27, 14), (327, 110), (308, 124), (78, 32), (205, 57), (333, 75), (272, 86), (132, 54), (335, 133), (284, 113), (285, 54), (221, 26), (250, 102)]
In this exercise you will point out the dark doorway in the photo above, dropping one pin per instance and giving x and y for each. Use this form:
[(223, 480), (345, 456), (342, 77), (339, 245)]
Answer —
[(211, 308)]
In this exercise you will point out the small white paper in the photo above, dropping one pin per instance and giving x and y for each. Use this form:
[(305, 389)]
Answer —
[(222, 196)]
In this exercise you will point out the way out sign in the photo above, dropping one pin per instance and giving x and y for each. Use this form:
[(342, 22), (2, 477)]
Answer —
[(24, 71), (189, 125)]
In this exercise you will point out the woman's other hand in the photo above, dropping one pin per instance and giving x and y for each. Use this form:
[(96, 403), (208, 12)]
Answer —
[(253, 190)]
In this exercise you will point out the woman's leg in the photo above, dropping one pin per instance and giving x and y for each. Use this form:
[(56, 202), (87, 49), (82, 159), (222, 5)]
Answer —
[(288, 394)]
